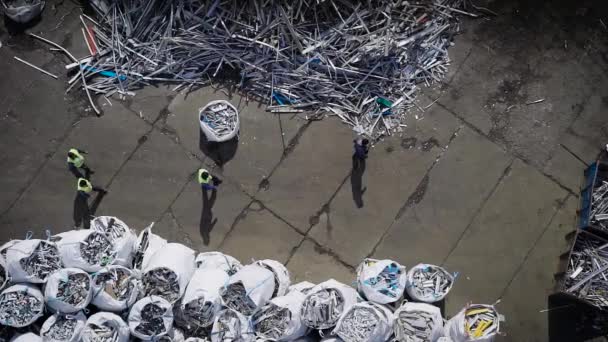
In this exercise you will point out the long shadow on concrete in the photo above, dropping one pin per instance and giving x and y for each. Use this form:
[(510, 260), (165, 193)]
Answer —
[(219, 152), (356, 181), (207, 221)]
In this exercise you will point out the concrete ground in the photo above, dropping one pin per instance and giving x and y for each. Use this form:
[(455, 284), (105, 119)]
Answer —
[(482, 183)]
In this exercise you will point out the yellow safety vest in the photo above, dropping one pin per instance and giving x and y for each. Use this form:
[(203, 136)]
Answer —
[(87, 188), (202, 180), (78, 161)]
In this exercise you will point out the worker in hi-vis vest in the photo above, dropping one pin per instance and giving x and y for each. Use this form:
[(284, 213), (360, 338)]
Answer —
[(76, 163), (207, 181), (82, 212)]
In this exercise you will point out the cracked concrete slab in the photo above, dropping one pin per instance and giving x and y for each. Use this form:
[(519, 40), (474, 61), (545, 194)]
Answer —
[(149, 182), (565, 168), (351, 231), (304, 180), (312, 263), (206, 219), (258, 234), (535, 279), (497, 241), (469, 169), (149, 103)]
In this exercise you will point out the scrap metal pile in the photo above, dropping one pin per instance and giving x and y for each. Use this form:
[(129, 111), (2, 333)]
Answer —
[(587, 274), (359, 60), (176, 295), (599, 206)]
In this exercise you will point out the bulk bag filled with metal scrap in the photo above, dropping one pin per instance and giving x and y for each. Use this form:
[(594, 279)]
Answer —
[(217, 260), (150, 318), (63, 327), (32, 260), (476, 322), (381, 281), (219, 121), (115, 288), (230, 325), (168, 272), (123, 239), (68, 290), (417, 322), (107, 327), (365, 322), (325, 303), (428, 283), (21, 305), (202, 300), (251, 287), (86, 249), (146, 245), (281, 275), (279, 319)]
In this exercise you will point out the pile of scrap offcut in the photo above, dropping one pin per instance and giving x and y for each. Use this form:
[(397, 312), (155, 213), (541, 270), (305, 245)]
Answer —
[(359, 60)]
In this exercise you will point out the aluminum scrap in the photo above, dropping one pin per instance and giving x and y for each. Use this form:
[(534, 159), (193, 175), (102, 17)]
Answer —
[(587, 274), (431, 283), (235, 297), (152, 320), (62, 329), (97, 249), (161, 282), (322, 309), (228, 326), (358, 325), (480, 321), (221, 118), (102, 333), (414, 326), (19, 308), (74, 290), (118, 282), (43, 261), (358, 60), (114, 229), (271, 321), (599, 206), (199, 312)]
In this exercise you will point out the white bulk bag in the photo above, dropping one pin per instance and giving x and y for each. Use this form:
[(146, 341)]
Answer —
[(37, 305), (281, 275), (146, 245), (348, 295), (295, 328), (135, 317), (219, 260), (258, 282), (455, 328), (51, 290), (106, 319), (4, 248), (380, 331), (444, 339), (80, 321), (205, 286), (69, 244), (176, 258), (432, 297), (303, 286), (122, 237), (108, 302), (211, 132), (371, 280), (27, 337), (23, 249), (417, 309), (230, 325), (3, 274)]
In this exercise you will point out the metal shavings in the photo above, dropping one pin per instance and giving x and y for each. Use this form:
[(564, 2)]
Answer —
[(235, 297), (74, 290), (19, 308), (96, 249), (587, 274), (199, 312), (414, 326), (117, 282), (62, 329), (43, 261), (361, 61), (322, 309), (152, 322), (161, 282), (358, 325), (271, 321)]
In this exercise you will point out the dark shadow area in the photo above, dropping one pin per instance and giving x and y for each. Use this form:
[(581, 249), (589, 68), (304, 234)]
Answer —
[(574, 320), (219, 152), (356, 181), (14, 28), (83, 212), (207, 221)]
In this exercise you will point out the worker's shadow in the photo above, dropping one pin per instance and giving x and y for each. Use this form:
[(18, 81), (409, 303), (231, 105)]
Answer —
[(207, 221), (219, 152), (356, 181)]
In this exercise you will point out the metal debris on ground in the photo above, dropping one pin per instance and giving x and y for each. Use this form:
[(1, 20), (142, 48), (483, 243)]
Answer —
[(235, 297), (271, 321), (20, 305), (428, 283), (322, 309), (161, 282), (587, 274), (43, 261), (599, 206), (359, 60), (74, 289)]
